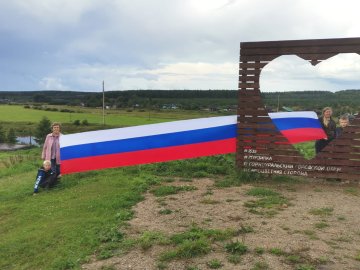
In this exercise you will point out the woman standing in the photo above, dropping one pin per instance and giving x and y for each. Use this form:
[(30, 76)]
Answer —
[(51, 148), (329, 126)]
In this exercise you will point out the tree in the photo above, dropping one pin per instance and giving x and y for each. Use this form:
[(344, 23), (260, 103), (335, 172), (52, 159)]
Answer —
[(40, 98), (11, 137), (2, 135), (42, 129)]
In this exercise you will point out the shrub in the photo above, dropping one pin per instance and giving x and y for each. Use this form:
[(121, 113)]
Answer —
[(236, 248), (42, 129), (11, 137), (2, 135), (77, 122)]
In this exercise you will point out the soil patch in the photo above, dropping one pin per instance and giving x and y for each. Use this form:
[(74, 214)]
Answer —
[(318, 227)]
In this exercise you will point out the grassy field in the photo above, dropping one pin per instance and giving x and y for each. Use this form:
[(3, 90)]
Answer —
[(83, 215), (86, 215), (59, 229), (16, 114), (24, 121)]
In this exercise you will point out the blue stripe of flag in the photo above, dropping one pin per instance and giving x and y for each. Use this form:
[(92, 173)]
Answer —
[(293, 123)]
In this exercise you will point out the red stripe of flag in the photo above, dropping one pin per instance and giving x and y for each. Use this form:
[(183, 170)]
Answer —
[(149, 156)]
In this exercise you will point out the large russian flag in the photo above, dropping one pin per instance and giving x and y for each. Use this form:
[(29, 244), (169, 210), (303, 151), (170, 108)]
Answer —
[(298, 126), (170, 141), (147, 144)]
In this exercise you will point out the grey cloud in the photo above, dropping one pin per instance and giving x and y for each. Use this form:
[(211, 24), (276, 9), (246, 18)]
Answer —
[(44, 39)]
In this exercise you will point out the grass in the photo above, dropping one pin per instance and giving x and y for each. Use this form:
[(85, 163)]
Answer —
[(307, 149), (260, 266), (234, 258), (311, 234), (294, 259), (262, 192), (208, 200), (245, 229), (321, 225), (94, 116), (214, 264), (322, 212), (277, 251), (238, 178), (170, 190), (188, 249), (268, 203), (87, 213), (357, 256), (165, 212), (305, 267), (149, 238), (82, 215), (236, 248), (24, 121), (194, 242), (259, 250), (352, 191), (192, 268)]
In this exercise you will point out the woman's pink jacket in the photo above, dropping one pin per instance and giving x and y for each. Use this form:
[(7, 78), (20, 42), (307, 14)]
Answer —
[(46, 153)]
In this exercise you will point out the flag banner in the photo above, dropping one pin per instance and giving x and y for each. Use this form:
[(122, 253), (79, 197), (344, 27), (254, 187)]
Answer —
[(298, 127), (147, 144), (168, 141)]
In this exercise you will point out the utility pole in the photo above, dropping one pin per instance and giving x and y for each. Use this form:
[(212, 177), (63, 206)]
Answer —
[(103, 88)]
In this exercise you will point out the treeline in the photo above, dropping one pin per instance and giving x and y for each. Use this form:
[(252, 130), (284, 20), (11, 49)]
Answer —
[(341, 101), (184, 99), (347, 101)]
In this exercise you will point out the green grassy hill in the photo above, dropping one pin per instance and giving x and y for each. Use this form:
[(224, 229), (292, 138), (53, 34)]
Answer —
[(24, 120), (83, 215)]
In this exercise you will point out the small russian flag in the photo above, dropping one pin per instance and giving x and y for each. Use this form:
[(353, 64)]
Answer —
[(298, 126)]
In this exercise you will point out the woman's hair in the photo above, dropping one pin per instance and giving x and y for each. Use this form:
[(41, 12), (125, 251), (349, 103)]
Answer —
[(55, 124), (325, 109)]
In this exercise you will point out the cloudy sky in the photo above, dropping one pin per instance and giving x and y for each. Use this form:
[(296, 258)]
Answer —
[(167, 44)]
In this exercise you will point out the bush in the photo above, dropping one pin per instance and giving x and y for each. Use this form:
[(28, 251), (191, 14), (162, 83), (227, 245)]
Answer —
[(42, 129), (77, 122), (85, 122), (67, 110), (11, 137), (2, 135)]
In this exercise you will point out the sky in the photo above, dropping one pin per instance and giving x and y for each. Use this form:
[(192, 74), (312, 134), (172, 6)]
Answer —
[(168, 44)]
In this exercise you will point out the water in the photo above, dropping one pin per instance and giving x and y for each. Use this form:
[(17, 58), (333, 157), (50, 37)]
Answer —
[(27, 140)]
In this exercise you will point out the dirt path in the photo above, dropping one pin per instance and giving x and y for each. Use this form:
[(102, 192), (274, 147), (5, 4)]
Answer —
[(318, 228)]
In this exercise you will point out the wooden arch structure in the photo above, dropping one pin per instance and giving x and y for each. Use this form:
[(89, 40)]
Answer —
[(269, 151)]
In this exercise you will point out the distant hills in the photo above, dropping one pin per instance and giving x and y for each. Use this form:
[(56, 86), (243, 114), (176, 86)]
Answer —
[(341, 101)]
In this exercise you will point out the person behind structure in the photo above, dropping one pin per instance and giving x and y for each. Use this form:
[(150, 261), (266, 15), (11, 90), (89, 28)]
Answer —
[(329, 126), (343, 122), (45, 178)]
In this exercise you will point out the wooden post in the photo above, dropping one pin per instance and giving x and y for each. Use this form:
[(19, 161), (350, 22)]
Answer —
[(103, 88)]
